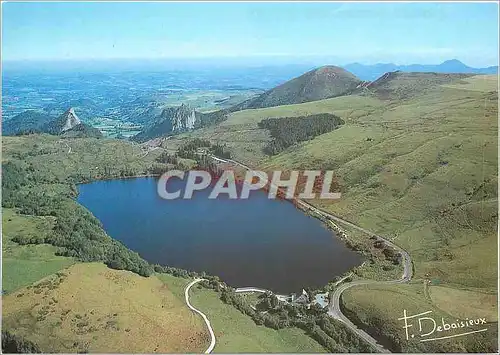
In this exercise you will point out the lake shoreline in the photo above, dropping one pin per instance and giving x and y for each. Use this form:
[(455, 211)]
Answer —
[(318, 260), (337, 232)]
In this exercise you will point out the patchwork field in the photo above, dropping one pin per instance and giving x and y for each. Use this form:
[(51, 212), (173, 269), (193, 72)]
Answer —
[(70, 311)]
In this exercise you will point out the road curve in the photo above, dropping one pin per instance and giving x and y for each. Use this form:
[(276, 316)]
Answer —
[(334, 305), (207, 322)]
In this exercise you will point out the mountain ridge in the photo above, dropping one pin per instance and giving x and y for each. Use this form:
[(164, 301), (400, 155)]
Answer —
[(67, 124), (178, 119), (317, 84), (451, 66)]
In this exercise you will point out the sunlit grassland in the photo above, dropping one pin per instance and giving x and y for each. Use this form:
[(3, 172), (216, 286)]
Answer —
[(462, 304), (477, 83), (90, 307), (348, 107)]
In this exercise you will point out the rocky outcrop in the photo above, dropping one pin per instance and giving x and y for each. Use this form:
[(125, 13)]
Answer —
[(182, 118), (70, 120), (67, 121)]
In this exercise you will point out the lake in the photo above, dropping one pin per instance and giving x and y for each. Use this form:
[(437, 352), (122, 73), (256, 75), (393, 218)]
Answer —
[(255, 242)]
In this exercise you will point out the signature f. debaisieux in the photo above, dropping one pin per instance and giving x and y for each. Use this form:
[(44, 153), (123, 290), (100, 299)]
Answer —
[(429, 329)]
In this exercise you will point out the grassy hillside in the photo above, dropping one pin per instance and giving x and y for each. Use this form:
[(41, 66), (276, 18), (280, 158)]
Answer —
[(246, 140), (380, 306), (27, 121), (60, 159), (317, 84), (90, 307), (419, 168), (66, 125), (422, 173), (403, 85)]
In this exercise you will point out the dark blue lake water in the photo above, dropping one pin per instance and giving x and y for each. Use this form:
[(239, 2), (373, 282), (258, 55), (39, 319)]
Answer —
[(255, 242)]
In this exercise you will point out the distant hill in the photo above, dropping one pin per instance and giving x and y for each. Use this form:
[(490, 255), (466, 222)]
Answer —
[(68, 124), (64, 122), (372, 72), (173, 120), (401, 85), (317, 84), (26, 122)]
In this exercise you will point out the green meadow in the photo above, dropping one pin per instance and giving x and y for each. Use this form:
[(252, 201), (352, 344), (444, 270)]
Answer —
[(419, 168)]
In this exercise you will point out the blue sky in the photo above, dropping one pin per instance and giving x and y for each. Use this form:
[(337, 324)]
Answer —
[(402, 33)]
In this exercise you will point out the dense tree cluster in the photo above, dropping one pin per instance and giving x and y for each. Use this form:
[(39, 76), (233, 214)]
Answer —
[(195, 143), (189, 150), (166, 158), (206, 163), (389, 252), (26, 122), (287, 131), (76, 231), (220, 150)]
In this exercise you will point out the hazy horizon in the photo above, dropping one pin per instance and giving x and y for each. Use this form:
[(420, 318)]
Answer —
[(168, 64), (289, 33)]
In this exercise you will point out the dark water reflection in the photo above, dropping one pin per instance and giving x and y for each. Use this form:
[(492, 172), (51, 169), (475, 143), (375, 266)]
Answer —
[(255, 242)]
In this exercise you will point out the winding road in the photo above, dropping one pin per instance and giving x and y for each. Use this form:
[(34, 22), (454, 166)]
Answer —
[(334, 305), (207, 322)]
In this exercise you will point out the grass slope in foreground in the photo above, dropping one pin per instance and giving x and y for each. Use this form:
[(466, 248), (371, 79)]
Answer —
[(90, 307)]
